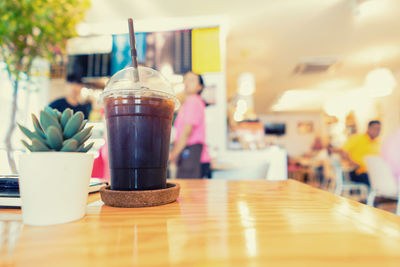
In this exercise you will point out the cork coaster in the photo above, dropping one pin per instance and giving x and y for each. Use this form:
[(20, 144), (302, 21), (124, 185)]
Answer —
[(135, 199)]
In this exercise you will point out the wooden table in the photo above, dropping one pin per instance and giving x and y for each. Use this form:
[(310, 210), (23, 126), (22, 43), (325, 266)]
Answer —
[(219, 223)]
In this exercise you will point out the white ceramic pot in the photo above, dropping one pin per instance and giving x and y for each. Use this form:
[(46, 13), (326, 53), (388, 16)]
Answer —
[(54, 186)]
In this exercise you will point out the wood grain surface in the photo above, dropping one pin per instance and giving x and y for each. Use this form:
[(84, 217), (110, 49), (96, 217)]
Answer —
[(217, 223)]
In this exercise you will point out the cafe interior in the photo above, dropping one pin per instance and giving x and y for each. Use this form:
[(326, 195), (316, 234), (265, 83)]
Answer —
[(298, 93)]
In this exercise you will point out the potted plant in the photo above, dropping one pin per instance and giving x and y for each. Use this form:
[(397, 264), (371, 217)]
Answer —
[(54, 177), (31, 30)]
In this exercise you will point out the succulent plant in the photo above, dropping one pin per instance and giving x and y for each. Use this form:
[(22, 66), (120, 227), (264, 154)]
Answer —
[(58, 131)]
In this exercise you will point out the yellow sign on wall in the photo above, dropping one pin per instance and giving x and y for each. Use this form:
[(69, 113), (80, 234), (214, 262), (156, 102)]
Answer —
[(206, 55)]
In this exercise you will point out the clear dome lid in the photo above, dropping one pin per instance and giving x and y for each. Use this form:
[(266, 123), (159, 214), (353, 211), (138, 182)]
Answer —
[(151, 84)]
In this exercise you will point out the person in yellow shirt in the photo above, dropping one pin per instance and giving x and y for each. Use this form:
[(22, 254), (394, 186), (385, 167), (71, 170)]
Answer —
[(357, 147)]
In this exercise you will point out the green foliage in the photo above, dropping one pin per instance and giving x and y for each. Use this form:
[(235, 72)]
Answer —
[(36, 28), (50, 134)]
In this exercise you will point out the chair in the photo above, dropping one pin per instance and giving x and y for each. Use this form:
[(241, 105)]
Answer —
[(343, 184), (382, 181), (269, 164)]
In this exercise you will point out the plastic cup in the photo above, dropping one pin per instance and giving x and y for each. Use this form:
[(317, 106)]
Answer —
[(139, 119)]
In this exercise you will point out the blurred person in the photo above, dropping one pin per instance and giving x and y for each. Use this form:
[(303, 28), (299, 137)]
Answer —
[(205, 162), (328, 168), (189, 151), (317, 144), (357, 147), (101, 165), (71, 100), (319, 156), (391, 152)]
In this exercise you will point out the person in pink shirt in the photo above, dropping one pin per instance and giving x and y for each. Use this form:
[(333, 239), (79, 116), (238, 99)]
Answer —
[(390, 152), (190, 151)]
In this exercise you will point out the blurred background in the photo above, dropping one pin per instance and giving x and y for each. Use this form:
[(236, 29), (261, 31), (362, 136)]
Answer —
[(284, 80)]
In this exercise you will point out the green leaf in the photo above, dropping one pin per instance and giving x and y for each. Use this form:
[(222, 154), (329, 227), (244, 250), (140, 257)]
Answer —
[(80, 137), (86, 138), (69, 145), (37, 126), (54, 138), (79, 148), (26, 131), (39, 146), (47, 120), (31, 135), (51, 112), (82, 125), (73, 124), (27, 145), (86, 148), (66, 115), (58, 113)]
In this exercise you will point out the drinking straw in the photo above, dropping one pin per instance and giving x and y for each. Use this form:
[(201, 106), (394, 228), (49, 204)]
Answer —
[(133, 51)]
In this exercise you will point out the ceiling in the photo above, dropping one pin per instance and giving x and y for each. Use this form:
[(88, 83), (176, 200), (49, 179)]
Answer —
[(270, 37)]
